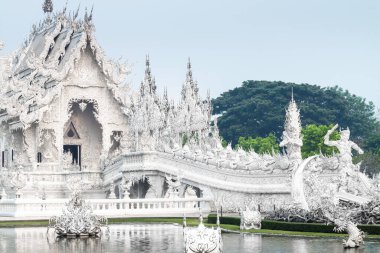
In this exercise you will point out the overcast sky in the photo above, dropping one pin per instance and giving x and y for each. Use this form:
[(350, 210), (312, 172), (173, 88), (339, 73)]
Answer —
[(323, 42)]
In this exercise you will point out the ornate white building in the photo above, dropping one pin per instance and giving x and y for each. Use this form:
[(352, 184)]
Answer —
[(66, 114)]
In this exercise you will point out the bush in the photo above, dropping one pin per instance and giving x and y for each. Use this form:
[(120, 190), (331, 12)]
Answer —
[(224, 220), (293, 226), (297, 226)]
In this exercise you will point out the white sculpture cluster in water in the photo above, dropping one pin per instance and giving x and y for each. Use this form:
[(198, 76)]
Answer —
[(77, 220), (201, 239)]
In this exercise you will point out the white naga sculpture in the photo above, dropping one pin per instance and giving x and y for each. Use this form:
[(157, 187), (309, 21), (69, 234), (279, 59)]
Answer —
[(250, 219), (355, 235), (201, 239)]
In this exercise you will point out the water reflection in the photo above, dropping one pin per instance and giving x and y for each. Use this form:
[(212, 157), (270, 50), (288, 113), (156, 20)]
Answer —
[(160, 238)]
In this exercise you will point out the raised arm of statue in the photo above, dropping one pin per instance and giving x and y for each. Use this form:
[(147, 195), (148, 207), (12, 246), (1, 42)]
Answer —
[(357, 148), (327, 136)]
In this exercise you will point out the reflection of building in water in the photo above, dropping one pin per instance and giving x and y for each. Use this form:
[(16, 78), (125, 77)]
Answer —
[(122, 238), (253, 242), (300, 245)]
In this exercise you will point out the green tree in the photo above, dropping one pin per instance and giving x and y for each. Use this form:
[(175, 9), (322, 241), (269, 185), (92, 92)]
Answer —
[(370, 163), (258, 108), (259, 144), (313, 138), (371, 158)]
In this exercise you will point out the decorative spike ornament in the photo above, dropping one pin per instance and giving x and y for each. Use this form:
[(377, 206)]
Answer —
[(189, 75), (47, 6)]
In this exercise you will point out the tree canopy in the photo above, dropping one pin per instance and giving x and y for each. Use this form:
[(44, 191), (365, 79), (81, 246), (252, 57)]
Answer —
[(313, 140), (257, 108), (259, 144)]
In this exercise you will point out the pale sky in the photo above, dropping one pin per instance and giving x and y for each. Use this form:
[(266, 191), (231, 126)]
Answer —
[(323, 42)]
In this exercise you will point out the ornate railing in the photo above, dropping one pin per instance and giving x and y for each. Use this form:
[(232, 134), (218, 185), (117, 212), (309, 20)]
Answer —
[(108, 207), (199, 172)]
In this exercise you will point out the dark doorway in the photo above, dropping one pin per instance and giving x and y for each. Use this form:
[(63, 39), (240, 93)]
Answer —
[(75, 151), (139, 189)]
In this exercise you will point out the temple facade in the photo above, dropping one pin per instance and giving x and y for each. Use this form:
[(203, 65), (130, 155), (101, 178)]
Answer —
[(66, 114)]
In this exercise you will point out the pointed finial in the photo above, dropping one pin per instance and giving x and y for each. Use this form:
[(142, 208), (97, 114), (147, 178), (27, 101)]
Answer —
[(47, 6), (148, 76), (166, 94), (147, 62), (65, 8), (189, 75), (184, 220), (76, 13), (91, 12), (85, 15), (201, 219), (217, 218), (292, 94)]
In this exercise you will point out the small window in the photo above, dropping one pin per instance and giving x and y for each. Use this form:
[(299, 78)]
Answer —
[(12, 155), (3, 159), (39, 157), (71, 132)]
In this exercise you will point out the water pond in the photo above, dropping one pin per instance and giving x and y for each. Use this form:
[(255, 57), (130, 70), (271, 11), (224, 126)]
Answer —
[(168, 238)]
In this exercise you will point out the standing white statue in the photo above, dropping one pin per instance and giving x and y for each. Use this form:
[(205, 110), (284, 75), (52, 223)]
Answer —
[(126, 187), (344, 145)]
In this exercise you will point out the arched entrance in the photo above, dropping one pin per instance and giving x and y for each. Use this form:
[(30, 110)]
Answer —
[(82, 136)]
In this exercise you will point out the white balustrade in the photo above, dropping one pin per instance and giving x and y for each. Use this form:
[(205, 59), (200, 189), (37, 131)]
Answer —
[(158, 207)]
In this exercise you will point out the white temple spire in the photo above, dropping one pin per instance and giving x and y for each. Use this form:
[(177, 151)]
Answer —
[(291, 137)]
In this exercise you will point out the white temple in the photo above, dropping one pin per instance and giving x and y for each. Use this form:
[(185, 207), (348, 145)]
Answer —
[(66, 114)]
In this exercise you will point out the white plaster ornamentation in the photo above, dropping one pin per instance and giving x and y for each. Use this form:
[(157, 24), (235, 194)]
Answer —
[(60, 96), (250, 219)]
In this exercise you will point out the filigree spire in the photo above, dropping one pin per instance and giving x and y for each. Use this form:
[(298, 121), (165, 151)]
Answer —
[(47, 6), (148, 74), (189, 75), (292, 138), (149, 81)]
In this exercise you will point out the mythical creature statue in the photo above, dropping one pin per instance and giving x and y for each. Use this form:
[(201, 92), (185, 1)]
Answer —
[(112, 194), (344, 145), (202, 239), (250, 219), (173, 187), (355, 235), (126, 187)]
